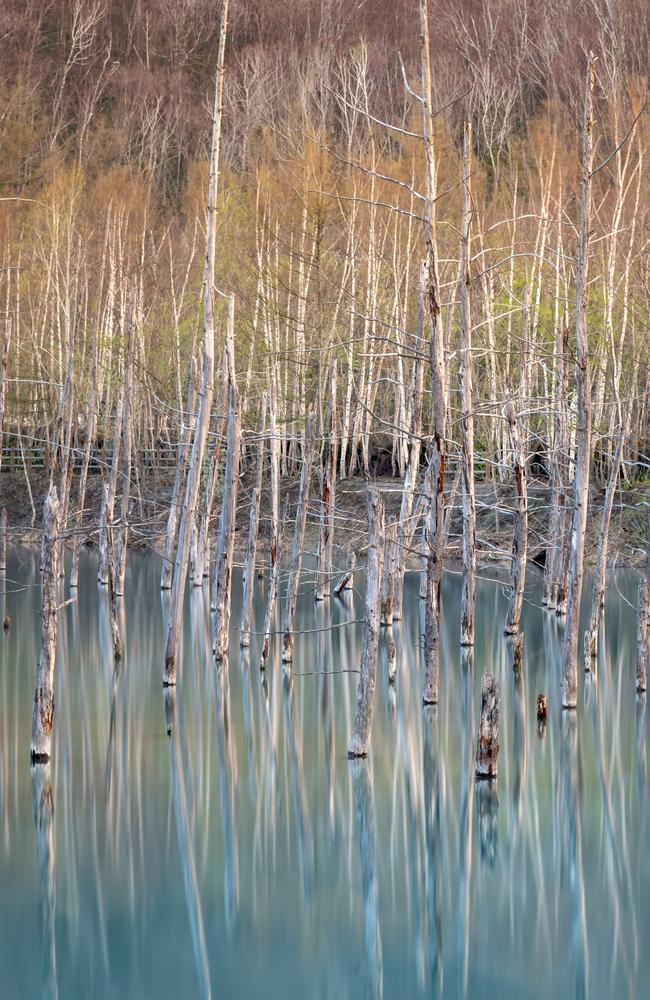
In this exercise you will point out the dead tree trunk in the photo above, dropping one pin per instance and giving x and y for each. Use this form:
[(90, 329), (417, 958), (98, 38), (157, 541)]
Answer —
[(119, 549), (179, 479), (273, 591), (206, 388), (487, 747), (328, 498), (297, 547), (43, 713), (520, 529), (583, 441), (388, 576), (467, 414), (435, 540), (83, 477), (4, 361), (360, 739), (226, 541), (598, 592), (642, 623), (253, 526), (109, 495)]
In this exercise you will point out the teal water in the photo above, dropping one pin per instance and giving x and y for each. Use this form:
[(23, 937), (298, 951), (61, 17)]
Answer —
[(244, 856)]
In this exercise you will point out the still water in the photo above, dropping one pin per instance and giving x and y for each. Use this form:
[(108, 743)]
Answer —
[(240, 854)]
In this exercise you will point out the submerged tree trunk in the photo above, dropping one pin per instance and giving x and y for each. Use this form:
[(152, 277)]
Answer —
[(467, 416), (388, 575), (297, 547), (274, 586), (520, 530), (206, 389), (43, 714), (583, 442), (226, 541), (598, 592), (360, 739), (328, 498), (253, 528), (487, 747)]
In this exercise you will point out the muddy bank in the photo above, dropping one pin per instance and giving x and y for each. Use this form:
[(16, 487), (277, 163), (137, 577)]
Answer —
[(494, 504)]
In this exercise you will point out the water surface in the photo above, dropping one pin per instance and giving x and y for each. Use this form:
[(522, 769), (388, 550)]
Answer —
[(216, 840)]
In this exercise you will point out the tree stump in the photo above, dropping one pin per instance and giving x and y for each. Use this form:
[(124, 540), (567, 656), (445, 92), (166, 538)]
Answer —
[(487, 748)]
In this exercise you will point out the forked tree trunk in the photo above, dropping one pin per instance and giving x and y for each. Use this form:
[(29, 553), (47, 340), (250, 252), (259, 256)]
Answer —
[(467, 414), (206, 389), (360, 740), (297, 547), (328, 497), (487, 747), (520, 529), (583, 442), (179, 479), (43, 714), (226, 541), (253, 527)]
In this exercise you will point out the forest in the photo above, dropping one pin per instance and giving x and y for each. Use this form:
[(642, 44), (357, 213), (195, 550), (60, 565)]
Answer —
[(321, 302)]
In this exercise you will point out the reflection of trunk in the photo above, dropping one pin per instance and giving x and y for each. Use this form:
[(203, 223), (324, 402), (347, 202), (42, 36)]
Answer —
[(360, 739), (569, 776), (43, 713), (228, 786), (365, 810), (487, 813), (431, 767), (465, 820), (294, 743), (43, 812), (186, 849)]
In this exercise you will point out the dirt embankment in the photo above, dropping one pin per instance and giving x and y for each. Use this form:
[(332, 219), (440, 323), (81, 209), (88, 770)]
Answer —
[(494, 504)]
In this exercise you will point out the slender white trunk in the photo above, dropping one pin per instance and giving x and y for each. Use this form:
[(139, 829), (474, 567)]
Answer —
[(206, 389), (583, 445), (360, 740), (226, 541), (43, 714), (297, 547), (248, 581), (468, 599)]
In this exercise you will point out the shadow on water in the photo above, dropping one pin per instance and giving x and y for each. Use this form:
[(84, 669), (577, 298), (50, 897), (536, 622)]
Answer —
[(222, 844)]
